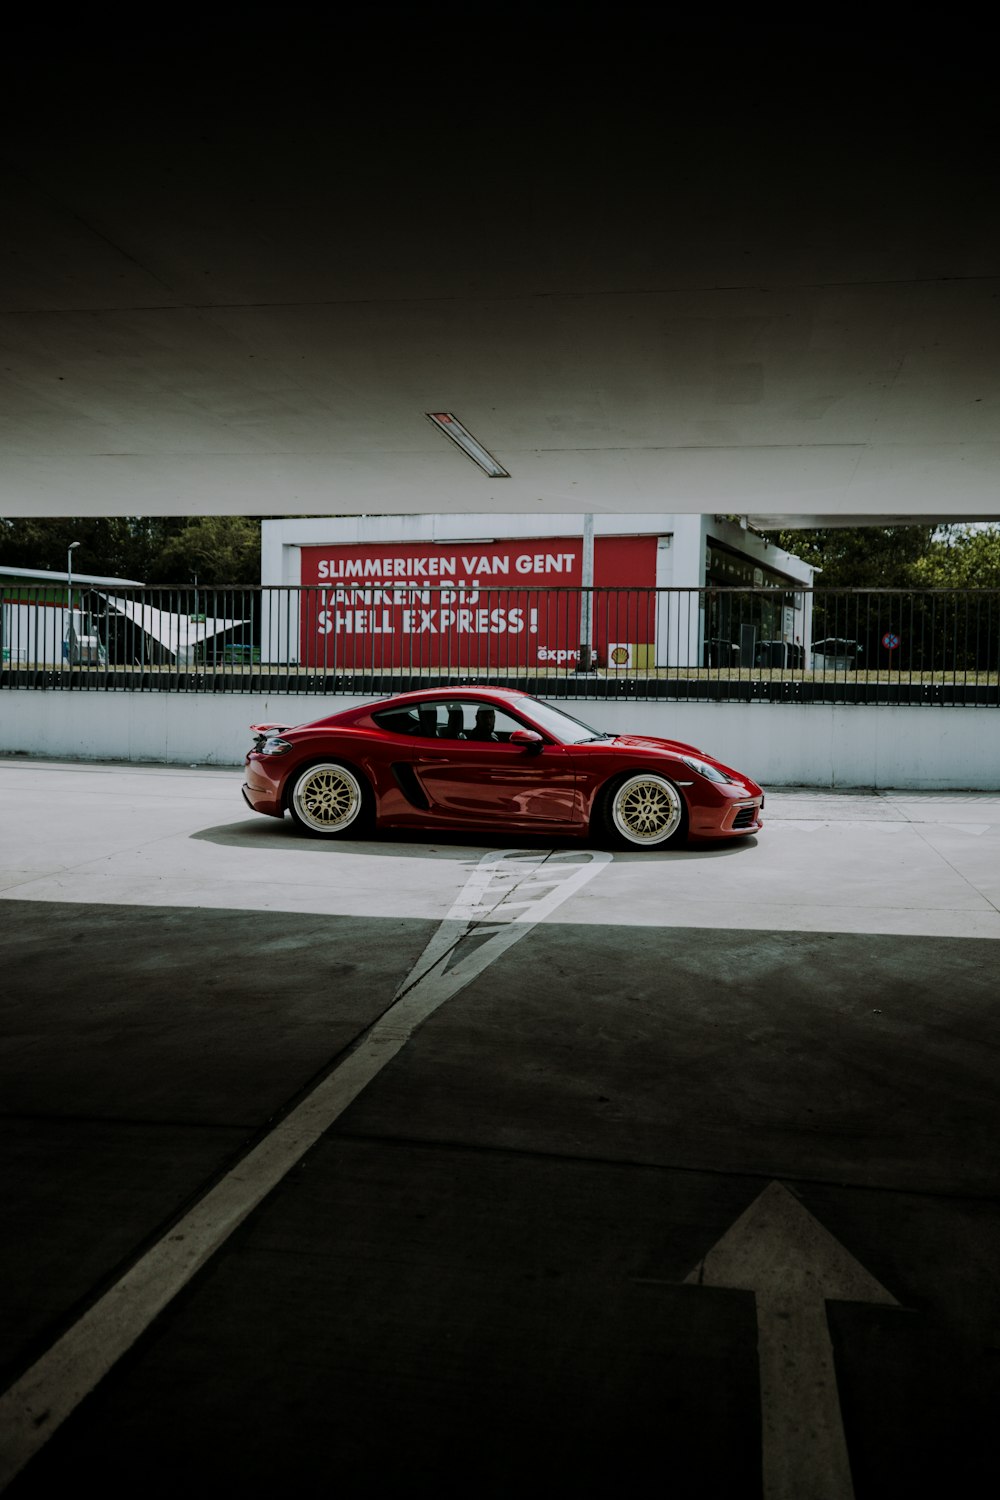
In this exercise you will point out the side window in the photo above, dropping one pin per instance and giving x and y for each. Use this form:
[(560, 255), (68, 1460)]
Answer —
[(398, 720), (483, 722), (429, 720), (450, 719), (504, 725), (456, 722)]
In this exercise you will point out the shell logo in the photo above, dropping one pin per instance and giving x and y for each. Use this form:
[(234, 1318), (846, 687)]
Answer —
[(619, 656)]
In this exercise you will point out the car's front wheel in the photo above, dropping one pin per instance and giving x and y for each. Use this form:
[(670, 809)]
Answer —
[(644, 811), (329, 801)]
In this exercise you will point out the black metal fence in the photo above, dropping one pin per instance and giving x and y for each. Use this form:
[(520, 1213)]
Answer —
[(370, 638)]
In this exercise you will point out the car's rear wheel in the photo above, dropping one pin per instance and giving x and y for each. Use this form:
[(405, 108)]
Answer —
[(644, 811), (329, 801)]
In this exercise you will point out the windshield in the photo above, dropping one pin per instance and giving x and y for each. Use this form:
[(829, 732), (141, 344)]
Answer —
[(561, 726)]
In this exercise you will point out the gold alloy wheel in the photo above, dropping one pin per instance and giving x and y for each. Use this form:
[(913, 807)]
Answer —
[(327, 799), (647, 810)]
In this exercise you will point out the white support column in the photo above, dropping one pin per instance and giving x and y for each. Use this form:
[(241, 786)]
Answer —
[(684, 615), (587, 597), (279, 610), (664, 580)]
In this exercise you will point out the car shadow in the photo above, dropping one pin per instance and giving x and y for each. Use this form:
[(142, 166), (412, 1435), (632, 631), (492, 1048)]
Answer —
[(694, 849), (270, 833), (275, 834)]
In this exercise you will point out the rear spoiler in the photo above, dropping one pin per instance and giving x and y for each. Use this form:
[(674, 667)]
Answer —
[(264, 731)]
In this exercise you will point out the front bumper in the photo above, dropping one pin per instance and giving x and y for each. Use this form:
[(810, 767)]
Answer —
[(745, 817), (735, 819)]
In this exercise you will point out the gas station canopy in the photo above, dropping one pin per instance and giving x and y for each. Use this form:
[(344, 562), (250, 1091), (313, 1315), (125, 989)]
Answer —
[(178, 633)]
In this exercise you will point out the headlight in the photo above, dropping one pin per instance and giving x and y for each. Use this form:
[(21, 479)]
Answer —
[(710, 773), (274, 747)]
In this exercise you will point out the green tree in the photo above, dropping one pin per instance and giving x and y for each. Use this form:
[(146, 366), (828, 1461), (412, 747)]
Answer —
[(860, 557), (219, 550), (150, 549), (111, 546), (961, 557), (946, 631)]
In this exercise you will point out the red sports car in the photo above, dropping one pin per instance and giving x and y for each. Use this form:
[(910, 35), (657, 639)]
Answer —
[(492, 760)]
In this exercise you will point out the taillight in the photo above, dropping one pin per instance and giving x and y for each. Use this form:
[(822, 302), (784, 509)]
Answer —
[(266, 744)]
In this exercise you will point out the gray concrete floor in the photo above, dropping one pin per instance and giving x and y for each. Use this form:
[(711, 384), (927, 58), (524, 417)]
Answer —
[(476, 1278)]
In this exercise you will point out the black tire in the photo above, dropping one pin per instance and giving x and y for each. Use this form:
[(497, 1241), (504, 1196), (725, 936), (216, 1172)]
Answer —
[(643, 810), (330, 800)]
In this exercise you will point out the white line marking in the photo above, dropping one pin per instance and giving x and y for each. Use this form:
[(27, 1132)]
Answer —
[(35, 1406), (777, 1250)]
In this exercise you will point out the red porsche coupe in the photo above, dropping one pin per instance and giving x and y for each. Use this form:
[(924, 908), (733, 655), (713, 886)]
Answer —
[(492, 760)]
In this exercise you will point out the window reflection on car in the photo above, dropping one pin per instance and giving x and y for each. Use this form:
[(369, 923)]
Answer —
[(561, 726)]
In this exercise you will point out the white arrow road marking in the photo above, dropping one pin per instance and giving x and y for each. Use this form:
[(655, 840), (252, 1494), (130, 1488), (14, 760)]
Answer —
[(777, 1250), (516, 889)]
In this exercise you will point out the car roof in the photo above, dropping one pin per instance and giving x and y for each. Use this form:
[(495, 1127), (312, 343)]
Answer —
[(470, 690), (471, 693)]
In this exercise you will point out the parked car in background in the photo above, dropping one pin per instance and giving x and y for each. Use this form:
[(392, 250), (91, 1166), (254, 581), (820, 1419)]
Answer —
[(82, 645), (836, 653)]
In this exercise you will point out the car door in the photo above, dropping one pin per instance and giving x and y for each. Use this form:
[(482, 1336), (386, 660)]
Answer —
[(486, 781)]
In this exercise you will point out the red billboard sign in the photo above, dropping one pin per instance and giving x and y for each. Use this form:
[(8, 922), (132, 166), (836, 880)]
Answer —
[(463, 605)]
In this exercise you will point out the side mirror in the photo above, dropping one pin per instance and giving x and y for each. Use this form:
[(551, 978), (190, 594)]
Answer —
[(527, 739)]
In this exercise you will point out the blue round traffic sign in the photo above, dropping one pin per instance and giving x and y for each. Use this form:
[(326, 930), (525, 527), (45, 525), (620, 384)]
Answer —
[(889, 640)]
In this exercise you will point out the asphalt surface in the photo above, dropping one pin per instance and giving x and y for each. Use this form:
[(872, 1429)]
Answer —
[(490, 1266)]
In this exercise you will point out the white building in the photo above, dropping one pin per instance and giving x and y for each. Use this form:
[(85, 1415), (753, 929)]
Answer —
[(386, 589)]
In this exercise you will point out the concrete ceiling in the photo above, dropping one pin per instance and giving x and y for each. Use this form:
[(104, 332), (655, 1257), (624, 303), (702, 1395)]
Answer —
[(651, 270)]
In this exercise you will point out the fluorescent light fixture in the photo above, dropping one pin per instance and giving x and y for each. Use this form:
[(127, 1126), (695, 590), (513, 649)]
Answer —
[(449, 424)]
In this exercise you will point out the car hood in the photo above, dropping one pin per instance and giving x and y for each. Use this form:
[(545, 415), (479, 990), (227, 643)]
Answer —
[(668, 747), (678, 747)]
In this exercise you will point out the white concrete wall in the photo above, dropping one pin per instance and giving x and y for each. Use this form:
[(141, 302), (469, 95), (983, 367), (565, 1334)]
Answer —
[(779, 744)]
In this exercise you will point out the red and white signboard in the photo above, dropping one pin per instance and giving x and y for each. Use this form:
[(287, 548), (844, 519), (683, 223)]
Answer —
[(455, 605)]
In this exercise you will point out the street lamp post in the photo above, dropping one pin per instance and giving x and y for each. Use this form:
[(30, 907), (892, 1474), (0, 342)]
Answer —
[(70, 632)]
